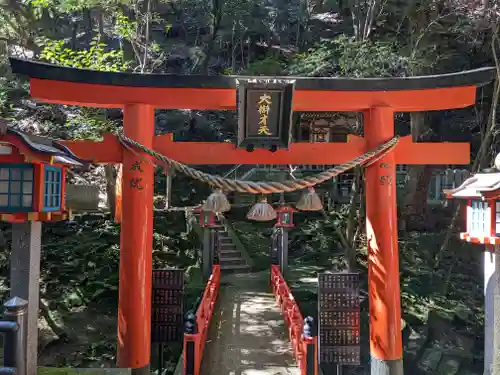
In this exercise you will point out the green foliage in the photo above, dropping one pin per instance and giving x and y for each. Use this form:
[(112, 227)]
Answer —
[(124, 27), (67, 6), (96, 57), (81, 258), (269, 66), (4, 94), (90, 123), (312, 242), (346, 56), (79, 278), (66, 371), (80, 262), (9, 84)]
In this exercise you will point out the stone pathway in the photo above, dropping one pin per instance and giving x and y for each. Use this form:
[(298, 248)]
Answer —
[(248, 335)]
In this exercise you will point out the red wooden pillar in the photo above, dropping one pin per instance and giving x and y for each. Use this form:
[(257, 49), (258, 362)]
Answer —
[(386, 347), (134, 305)]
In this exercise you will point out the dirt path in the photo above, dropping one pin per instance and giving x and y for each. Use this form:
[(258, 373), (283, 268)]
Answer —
[(248, 335)]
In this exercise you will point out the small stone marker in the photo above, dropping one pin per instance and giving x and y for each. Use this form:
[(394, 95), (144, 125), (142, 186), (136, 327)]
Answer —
[(489, 327)]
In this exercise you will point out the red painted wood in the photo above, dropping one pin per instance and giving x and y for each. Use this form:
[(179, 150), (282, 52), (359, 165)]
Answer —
[(197, 153), (107, 96)]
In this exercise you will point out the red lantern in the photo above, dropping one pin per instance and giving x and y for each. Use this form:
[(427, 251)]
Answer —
[(285, 216), (207, 218)]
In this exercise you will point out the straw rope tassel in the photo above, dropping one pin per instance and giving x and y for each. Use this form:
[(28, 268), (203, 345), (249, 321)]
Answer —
[(262, 211), (261, 187)]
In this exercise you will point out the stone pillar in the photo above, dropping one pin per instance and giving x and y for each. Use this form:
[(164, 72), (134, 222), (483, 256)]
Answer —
[(275, 248), (489, 323), (284, 252), (207, 254), (25, 280), (168, 189)]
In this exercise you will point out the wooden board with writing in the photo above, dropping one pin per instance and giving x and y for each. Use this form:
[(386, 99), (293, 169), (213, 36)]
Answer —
[(339, 318), (264, 112), (167, 313)]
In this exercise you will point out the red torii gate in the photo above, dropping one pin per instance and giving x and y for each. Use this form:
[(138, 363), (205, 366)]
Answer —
[(377, 98)]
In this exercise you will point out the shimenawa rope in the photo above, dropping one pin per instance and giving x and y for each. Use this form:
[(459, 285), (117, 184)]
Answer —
[(260, 187)]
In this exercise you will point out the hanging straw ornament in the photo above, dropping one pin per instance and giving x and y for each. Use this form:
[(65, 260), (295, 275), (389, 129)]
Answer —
[(262, 211), (217, 202), (309, 201)]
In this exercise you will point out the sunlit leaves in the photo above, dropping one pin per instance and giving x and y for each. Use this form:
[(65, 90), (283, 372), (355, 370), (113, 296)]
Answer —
[(125, 28), (345, 56), (96, 57)]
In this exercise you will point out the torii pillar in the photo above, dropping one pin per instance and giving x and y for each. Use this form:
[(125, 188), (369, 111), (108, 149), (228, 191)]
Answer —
[(136, 238), (386, 345)]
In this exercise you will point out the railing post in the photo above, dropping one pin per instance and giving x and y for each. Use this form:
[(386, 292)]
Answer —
[(190, 331), (9, 329), (310, 350), (15, 329)]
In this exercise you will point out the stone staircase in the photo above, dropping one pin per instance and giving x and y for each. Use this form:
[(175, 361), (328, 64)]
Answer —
[(230, 258)]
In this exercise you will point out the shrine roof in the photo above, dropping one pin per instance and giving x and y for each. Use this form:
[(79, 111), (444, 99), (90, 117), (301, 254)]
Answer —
[(476, 186), (314, 115), (48, 146), (40, 70)]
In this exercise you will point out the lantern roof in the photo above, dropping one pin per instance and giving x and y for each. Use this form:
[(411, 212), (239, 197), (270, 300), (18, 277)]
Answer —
[(40, 145), (285, 208), (480, 185)]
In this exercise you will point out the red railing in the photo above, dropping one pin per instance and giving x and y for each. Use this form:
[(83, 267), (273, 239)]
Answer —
[(304, 343), (194, 341)]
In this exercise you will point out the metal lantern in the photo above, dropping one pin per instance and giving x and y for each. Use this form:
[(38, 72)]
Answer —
[(481, 192), (33, 177), (285, 217)]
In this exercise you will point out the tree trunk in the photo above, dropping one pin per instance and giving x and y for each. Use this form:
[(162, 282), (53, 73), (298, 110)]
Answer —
[(88, 26), (352, 222), (109, 171), (100, 24), (45, 312), (415, 199), (217, 15)]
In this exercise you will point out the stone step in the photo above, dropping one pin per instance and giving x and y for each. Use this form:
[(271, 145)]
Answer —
[(232, 253), (234, 268), (228, 250), (231, 261), (227, 246), (231, 256)]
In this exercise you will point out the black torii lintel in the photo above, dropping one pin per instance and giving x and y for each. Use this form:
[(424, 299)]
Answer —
[(40, 70)]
